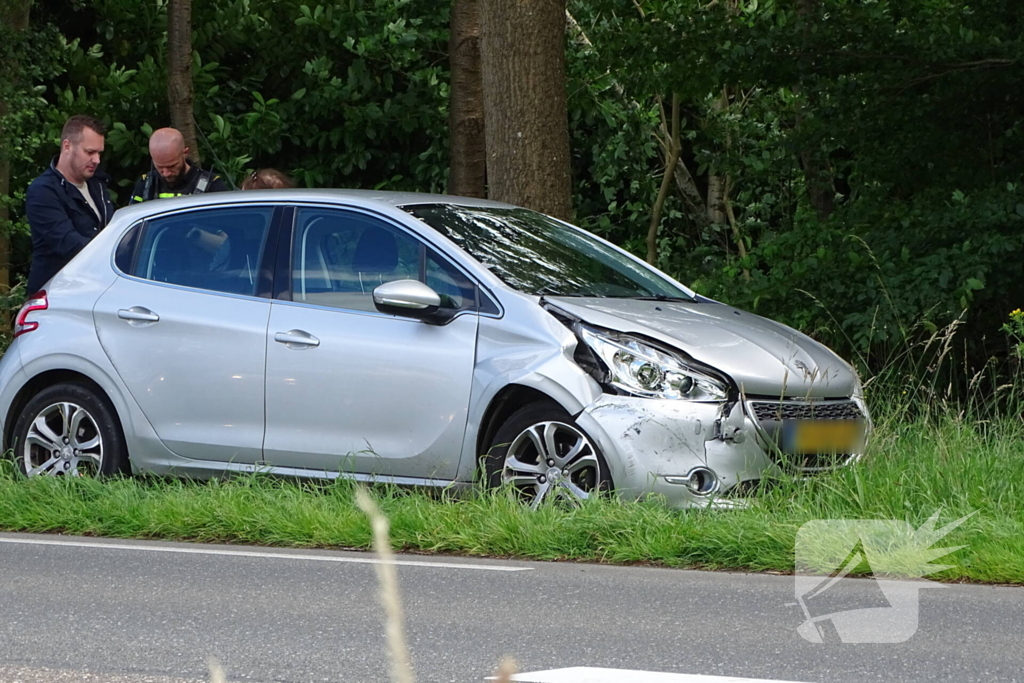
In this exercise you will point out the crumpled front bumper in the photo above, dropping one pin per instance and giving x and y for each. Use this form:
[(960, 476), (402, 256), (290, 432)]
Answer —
[(661, 447)]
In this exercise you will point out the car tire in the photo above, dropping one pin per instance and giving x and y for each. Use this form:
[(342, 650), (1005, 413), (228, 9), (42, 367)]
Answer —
[(542, 454), (69, 429)]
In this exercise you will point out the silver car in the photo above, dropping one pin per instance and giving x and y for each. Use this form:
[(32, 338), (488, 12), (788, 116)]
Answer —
[(413, 339)]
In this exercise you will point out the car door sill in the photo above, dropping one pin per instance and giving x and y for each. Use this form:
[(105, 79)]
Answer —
[(302, 473)]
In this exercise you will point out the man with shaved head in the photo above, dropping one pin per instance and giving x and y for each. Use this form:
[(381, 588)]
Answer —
[(173, 174)]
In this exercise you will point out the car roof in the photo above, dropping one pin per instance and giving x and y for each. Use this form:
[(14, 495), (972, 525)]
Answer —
[(365, 198), (410, 198)]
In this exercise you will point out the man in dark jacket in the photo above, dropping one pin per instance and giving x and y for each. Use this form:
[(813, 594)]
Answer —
[(173, 174), (69, 203)]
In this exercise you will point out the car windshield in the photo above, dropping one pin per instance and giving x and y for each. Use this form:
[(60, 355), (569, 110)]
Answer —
[(538, 255)]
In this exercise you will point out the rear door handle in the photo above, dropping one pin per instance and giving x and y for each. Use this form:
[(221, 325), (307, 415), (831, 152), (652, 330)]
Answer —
[(138, 314), (297, 339)]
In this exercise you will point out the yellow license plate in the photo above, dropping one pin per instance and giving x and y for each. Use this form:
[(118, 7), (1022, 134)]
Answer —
[(822, 436)]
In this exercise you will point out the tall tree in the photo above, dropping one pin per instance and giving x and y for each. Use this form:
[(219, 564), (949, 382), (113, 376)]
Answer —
[(467, 170), (527, 132), (821, 189), (180, 93), (14, 16)]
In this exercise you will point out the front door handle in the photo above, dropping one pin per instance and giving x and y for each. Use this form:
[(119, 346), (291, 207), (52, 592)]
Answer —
[(138, 314), (297, 339)]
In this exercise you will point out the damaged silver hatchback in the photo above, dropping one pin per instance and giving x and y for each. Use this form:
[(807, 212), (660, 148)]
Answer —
[(413, 339)]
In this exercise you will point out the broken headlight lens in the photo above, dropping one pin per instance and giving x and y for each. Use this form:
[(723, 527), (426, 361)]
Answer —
[(639, 368)]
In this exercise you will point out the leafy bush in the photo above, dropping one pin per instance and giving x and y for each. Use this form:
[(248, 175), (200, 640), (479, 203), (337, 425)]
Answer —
[(909, 110)]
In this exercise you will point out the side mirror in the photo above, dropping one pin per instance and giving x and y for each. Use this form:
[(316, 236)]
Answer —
[(409, 298)]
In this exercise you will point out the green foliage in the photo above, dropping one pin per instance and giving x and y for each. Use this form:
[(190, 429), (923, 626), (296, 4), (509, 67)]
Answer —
[(614, 153), (1014, 329), (912, 108), (351, 94), (347, 94), (942, 462), (875, 275), (10, 303), (28, 59)]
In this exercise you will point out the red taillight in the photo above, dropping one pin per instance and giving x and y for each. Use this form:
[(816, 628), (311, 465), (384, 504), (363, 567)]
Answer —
[(36, 302)]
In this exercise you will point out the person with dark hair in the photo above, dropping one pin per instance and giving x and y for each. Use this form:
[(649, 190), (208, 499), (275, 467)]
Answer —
[(172, 173), (69, 203), (267, 179)]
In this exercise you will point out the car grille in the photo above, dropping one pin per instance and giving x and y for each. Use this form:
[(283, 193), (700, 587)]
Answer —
[(776, 411), (772, 414)]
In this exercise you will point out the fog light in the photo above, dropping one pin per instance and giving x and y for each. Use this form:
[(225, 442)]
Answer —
[(700, 481)]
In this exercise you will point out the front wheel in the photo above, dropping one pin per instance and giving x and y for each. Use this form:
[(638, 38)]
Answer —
[(69, 430), (543, 455)]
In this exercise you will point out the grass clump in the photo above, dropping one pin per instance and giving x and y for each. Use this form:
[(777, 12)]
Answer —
[(942, 463)]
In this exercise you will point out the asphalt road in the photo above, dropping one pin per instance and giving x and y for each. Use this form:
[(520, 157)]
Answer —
[(134, 612)]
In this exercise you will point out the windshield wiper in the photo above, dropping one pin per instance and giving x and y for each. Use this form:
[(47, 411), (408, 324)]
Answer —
[(658, 297)]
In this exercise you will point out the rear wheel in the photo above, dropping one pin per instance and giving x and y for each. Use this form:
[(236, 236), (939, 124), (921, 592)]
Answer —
[(69, 430), (543, 455)]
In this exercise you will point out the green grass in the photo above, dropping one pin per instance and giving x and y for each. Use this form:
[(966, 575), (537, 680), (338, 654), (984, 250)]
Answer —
[(913, 469)]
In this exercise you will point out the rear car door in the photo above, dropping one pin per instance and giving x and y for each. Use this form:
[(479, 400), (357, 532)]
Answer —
[(185, 326)]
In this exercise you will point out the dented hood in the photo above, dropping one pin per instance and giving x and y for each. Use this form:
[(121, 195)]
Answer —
[(763, 357)]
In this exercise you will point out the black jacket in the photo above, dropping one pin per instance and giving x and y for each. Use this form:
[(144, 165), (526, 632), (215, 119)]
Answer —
[(152, 186), (61, 221)]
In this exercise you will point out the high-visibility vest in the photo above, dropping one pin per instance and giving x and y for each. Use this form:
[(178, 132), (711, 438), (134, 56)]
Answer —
[(205, 178)]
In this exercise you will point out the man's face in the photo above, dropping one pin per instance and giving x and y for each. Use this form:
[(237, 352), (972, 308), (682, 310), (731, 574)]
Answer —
[(84, 156), (169, 164)]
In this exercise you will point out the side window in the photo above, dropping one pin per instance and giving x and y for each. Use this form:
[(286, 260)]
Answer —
[(124, 257), (457, 291), (340, 257), (214, 249)]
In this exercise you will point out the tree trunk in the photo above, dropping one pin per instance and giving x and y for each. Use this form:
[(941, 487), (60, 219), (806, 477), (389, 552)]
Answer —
[(467, 170), (695, 204), (818, 177), (527, 132), (716, 182), (821, 189), (15, 15), (180, 94)]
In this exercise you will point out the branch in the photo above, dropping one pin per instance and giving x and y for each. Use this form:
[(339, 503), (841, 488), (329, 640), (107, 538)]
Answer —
[(666, 181), (740, 244), (932, 77), (979, 63), (581, 38), (684, 179)]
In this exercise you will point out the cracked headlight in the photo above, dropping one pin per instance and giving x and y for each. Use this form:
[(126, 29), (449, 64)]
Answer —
[(638, 368)]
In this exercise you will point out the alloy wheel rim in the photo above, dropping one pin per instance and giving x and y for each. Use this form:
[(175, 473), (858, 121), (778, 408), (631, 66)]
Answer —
[(552, 460), (63, 439)]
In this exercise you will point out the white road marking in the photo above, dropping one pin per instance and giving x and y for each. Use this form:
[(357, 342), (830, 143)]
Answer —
[(587, 674), (22, 674), (251, 553)]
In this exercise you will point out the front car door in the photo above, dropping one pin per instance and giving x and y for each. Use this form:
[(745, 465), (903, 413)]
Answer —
[(185, 327), (354, 390)]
